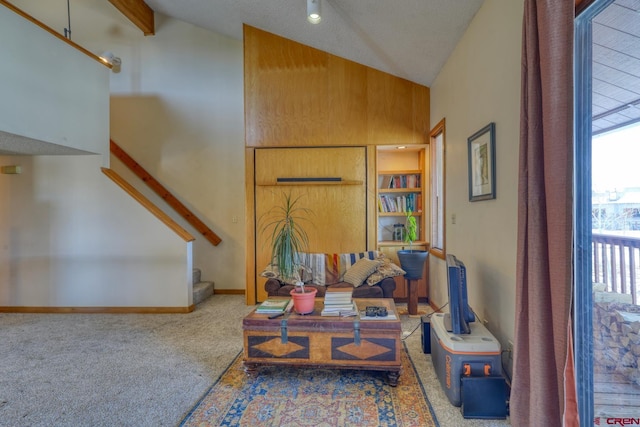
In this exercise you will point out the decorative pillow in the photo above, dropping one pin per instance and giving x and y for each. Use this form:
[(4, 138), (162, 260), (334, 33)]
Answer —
[(386, 269), (346, 261), (358, 272)]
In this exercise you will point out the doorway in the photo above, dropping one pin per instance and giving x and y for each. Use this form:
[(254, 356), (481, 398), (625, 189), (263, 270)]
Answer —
[(607, 210)]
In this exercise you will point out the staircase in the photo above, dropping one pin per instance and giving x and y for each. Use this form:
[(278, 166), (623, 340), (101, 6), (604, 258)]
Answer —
[(201, 290)]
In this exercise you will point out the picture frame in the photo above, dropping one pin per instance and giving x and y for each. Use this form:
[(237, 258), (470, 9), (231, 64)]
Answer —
[(482, 164)]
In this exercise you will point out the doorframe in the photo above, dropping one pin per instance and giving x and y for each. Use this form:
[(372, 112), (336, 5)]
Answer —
[(583, 301)]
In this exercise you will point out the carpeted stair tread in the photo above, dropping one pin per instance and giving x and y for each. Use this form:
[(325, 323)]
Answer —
[(202, 291)]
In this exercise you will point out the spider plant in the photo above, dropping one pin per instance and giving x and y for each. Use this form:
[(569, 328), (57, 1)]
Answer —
[(288, 237)]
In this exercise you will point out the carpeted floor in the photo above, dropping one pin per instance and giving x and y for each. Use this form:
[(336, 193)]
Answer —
[(141, 370), (286, 396)]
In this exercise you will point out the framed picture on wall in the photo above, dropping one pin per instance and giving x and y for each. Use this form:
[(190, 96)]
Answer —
[(482, 164)]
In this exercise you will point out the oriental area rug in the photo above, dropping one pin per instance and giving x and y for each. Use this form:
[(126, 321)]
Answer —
[(286, 396)]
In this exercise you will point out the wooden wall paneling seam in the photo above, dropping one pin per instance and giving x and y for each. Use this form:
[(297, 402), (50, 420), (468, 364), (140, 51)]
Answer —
[(372, 198), (250, 227)]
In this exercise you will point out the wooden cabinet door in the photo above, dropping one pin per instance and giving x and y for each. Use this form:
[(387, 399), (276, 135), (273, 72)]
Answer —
[(338, 223)]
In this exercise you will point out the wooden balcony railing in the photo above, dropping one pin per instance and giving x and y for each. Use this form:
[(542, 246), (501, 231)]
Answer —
[(616, 263)]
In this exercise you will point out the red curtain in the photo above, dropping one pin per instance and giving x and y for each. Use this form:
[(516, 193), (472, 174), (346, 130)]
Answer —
[(544, 267)]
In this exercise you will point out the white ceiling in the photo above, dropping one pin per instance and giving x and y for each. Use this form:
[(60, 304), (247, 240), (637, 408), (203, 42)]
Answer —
[(408, 38)]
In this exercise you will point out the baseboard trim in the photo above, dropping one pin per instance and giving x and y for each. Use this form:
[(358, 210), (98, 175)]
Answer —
[(228, 291), (99, 310)]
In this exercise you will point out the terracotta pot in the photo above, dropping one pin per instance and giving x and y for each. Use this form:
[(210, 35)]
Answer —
[(303, 302)]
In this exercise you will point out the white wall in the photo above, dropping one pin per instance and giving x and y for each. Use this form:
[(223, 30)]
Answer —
[(69, 237), (49, 90), (479, 84), (177, 107)]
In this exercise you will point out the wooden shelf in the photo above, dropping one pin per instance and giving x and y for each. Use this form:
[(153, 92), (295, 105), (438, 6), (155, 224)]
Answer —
[(401, 172), (280, 184), (398, 214), (391, 243), (400, 190)]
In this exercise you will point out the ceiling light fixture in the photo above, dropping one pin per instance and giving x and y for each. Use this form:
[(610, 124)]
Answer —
[(313, 11), (111, 59)]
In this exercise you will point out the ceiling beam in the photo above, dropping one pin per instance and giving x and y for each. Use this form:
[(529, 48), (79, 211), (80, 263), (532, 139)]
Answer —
[(138, 12)]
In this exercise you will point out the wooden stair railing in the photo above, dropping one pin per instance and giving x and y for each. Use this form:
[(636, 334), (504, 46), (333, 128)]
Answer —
[(166, 219), (161, 191)]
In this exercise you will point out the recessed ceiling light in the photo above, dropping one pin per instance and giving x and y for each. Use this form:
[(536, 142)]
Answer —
[(313, 11)]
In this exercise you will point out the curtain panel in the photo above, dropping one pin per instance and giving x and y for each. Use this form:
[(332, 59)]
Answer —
[(544, 267)]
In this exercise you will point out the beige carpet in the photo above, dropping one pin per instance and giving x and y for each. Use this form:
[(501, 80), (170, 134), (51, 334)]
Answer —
[(139, 370)]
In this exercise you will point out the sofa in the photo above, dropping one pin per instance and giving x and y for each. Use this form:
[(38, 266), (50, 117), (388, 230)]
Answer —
[(370, 274)]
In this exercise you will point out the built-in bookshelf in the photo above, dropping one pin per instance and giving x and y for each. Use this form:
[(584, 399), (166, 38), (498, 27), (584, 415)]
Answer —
[(401, 185)]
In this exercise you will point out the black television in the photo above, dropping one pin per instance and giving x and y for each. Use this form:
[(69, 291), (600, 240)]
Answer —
[(460, 314)]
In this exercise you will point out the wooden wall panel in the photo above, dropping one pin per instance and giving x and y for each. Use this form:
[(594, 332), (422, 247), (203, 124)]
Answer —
[(339, 220), (421, 114), (285, 92), (389, 108), (298, 96), (347, 93)]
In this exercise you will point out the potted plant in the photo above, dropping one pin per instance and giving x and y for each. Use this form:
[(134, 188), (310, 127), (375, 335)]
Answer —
[(412, 260), (288, 240)]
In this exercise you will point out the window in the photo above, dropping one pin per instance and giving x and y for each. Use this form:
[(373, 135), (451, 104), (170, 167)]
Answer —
[(437, 154)]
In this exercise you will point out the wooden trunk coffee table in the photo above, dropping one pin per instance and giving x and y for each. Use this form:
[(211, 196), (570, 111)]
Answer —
[(329, 342)]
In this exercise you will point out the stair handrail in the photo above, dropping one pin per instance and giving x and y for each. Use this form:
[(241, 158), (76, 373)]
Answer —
[(165, 194), (146, 203)]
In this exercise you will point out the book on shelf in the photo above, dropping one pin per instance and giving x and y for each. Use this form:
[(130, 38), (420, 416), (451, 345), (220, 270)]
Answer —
[(404, 203), (272, 305), (399, 181), (385, 181)]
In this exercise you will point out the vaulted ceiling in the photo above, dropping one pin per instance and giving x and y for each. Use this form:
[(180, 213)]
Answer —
[(408, 38), (413, 38)]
